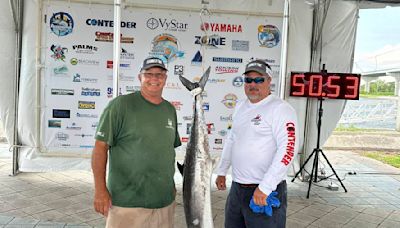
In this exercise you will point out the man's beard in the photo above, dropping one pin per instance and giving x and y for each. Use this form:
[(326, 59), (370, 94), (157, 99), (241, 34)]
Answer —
[(253, 97)]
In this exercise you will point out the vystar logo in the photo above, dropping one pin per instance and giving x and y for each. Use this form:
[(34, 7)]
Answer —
[(166, 24)]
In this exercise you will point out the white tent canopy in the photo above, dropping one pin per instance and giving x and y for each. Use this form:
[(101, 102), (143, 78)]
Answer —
[(319, 32)]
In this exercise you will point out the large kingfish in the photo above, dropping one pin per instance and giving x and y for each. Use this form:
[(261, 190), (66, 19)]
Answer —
[(198, 164)]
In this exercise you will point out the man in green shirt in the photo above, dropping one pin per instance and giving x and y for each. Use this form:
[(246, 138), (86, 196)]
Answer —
[(140, 132)]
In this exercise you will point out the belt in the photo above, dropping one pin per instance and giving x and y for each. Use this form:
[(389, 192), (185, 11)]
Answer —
[(248, 185), (254, 185)]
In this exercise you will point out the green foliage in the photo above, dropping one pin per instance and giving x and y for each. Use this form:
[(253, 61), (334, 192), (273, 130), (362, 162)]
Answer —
[(351, 127), (392, 159), (379, 88)]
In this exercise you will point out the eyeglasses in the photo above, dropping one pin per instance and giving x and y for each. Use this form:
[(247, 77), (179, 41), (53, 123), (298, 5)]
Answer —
[(154, 75), (257, 80)]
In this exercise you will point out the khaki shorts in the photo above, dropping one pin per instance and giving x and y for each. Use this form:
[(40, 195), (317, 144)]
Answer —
[(123, 217)]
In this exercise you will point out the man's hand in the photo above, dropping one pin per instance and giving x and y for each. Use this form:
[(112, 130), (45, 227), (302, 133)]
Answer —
[(259, 197), (102, 202), (221, 182)]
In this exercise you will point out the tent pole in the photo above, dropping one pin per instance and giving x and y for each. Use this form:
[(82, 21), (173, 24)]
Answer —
[(17, 13), (117, 46), (283, 65), (39, 68)]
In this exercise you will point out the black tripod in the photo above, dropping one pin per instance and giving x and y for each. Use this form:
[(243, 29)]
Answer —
[(316, 151)]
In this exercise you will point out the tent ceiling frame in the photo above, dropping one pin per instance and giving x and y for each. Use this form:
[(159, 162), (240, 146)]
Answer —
[(175, 8)]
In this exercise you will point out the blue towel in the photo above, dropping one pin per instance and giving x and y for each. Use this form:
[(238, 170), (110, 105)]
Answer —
[(272, 201)]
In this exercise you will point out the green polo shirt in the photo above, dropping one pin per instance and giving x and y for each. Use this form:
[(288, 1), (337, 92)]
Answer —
[(141, 138)]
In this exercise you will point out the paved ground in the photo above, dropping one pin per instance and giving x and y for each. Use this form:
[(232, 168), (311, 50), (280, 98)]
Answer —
[(64, 199)]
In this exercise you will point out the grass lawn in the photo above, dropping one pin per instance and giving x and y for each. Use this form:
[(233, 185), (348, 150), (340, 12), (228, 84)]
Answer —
[(392, 159)]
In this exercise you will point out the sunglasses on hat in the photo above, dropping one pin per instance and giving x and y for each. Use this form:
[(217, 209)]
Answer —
[(257, 80)]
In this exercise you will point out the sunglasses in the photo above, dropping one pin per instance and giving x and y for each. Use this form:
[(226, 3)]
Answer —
[(257, 80)]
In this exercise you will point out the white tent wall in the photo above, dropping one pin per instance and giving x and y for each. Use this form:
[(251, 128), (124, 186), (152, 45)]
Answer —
[(298, 59), (7, 73), (338, 34), (31, 159)]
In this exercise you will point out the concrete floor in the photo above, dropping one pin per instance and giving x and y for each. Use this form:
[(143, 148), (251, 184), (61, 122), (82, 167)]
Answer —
[(64, 199)]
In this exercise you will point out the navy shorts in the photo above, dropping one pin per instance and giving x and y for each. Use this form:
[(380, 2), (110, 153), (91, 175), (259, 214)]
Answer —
[(239, 215)]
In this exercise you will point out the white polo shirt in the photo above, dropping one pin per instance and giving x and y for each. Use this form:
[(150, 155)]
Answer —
[(261, 144)]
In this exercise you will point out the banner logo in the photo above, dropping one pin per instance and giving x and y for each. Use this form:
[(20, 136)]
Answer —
[(109, 23), (84, 49), (61, 24), (220, 27), (62, 92), (58, 52), (54, 124), (238, 81), (61, 113), (230, 100), (166, 47), (197, 59), (268, 36), (168, 24), (86, 105), (240, 45), (109, 37), (227, 60)]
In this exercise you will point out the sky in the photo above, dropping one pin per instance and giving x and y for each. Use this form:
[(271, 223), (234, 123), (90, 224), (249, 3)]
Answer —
[(378, 40)]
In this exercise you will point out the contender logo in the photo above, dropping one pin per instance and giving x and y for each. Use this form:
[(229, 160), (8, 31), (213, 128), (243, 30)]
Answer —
[(291, 135)]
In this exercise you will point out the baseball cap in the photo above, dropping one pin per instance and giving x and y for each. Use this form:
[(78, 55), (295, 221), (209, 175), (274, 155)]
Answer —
[(259, 66), (153, 62)]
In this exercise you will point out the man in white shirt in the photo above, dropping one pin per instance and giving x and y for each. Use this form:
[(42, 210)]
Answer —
[(259, 147)]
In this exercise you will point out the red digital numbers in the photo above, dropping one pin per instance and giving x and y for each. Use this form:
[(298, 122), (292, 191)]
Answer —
[(298, 81), (353, 87), (315, 86), (331, 85)]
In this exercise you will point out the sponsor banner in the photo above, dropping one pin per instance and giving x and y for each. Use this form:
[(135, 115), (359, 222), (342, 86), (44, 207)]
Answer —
[(84, 49), (90, 91), (77, 78), (58, 52), (108, 37), (213, 41), (73, 126), (109, 23), (54, 124), (238, 81), (86, 115), (87, 62), (61, 113), (172, 25), (166, 47), (226, 70), (61, 23), (268, 36), (86, 105), (240, 45), (227, 60), (221, 27), (230, 100), (79, 65), (62, 92), (179, 69)]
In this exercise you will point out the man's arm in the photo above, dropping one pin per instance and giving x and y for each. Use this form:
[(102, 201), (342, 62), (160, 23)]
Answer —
[(225, 162), (285, 132), (102, 199)]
